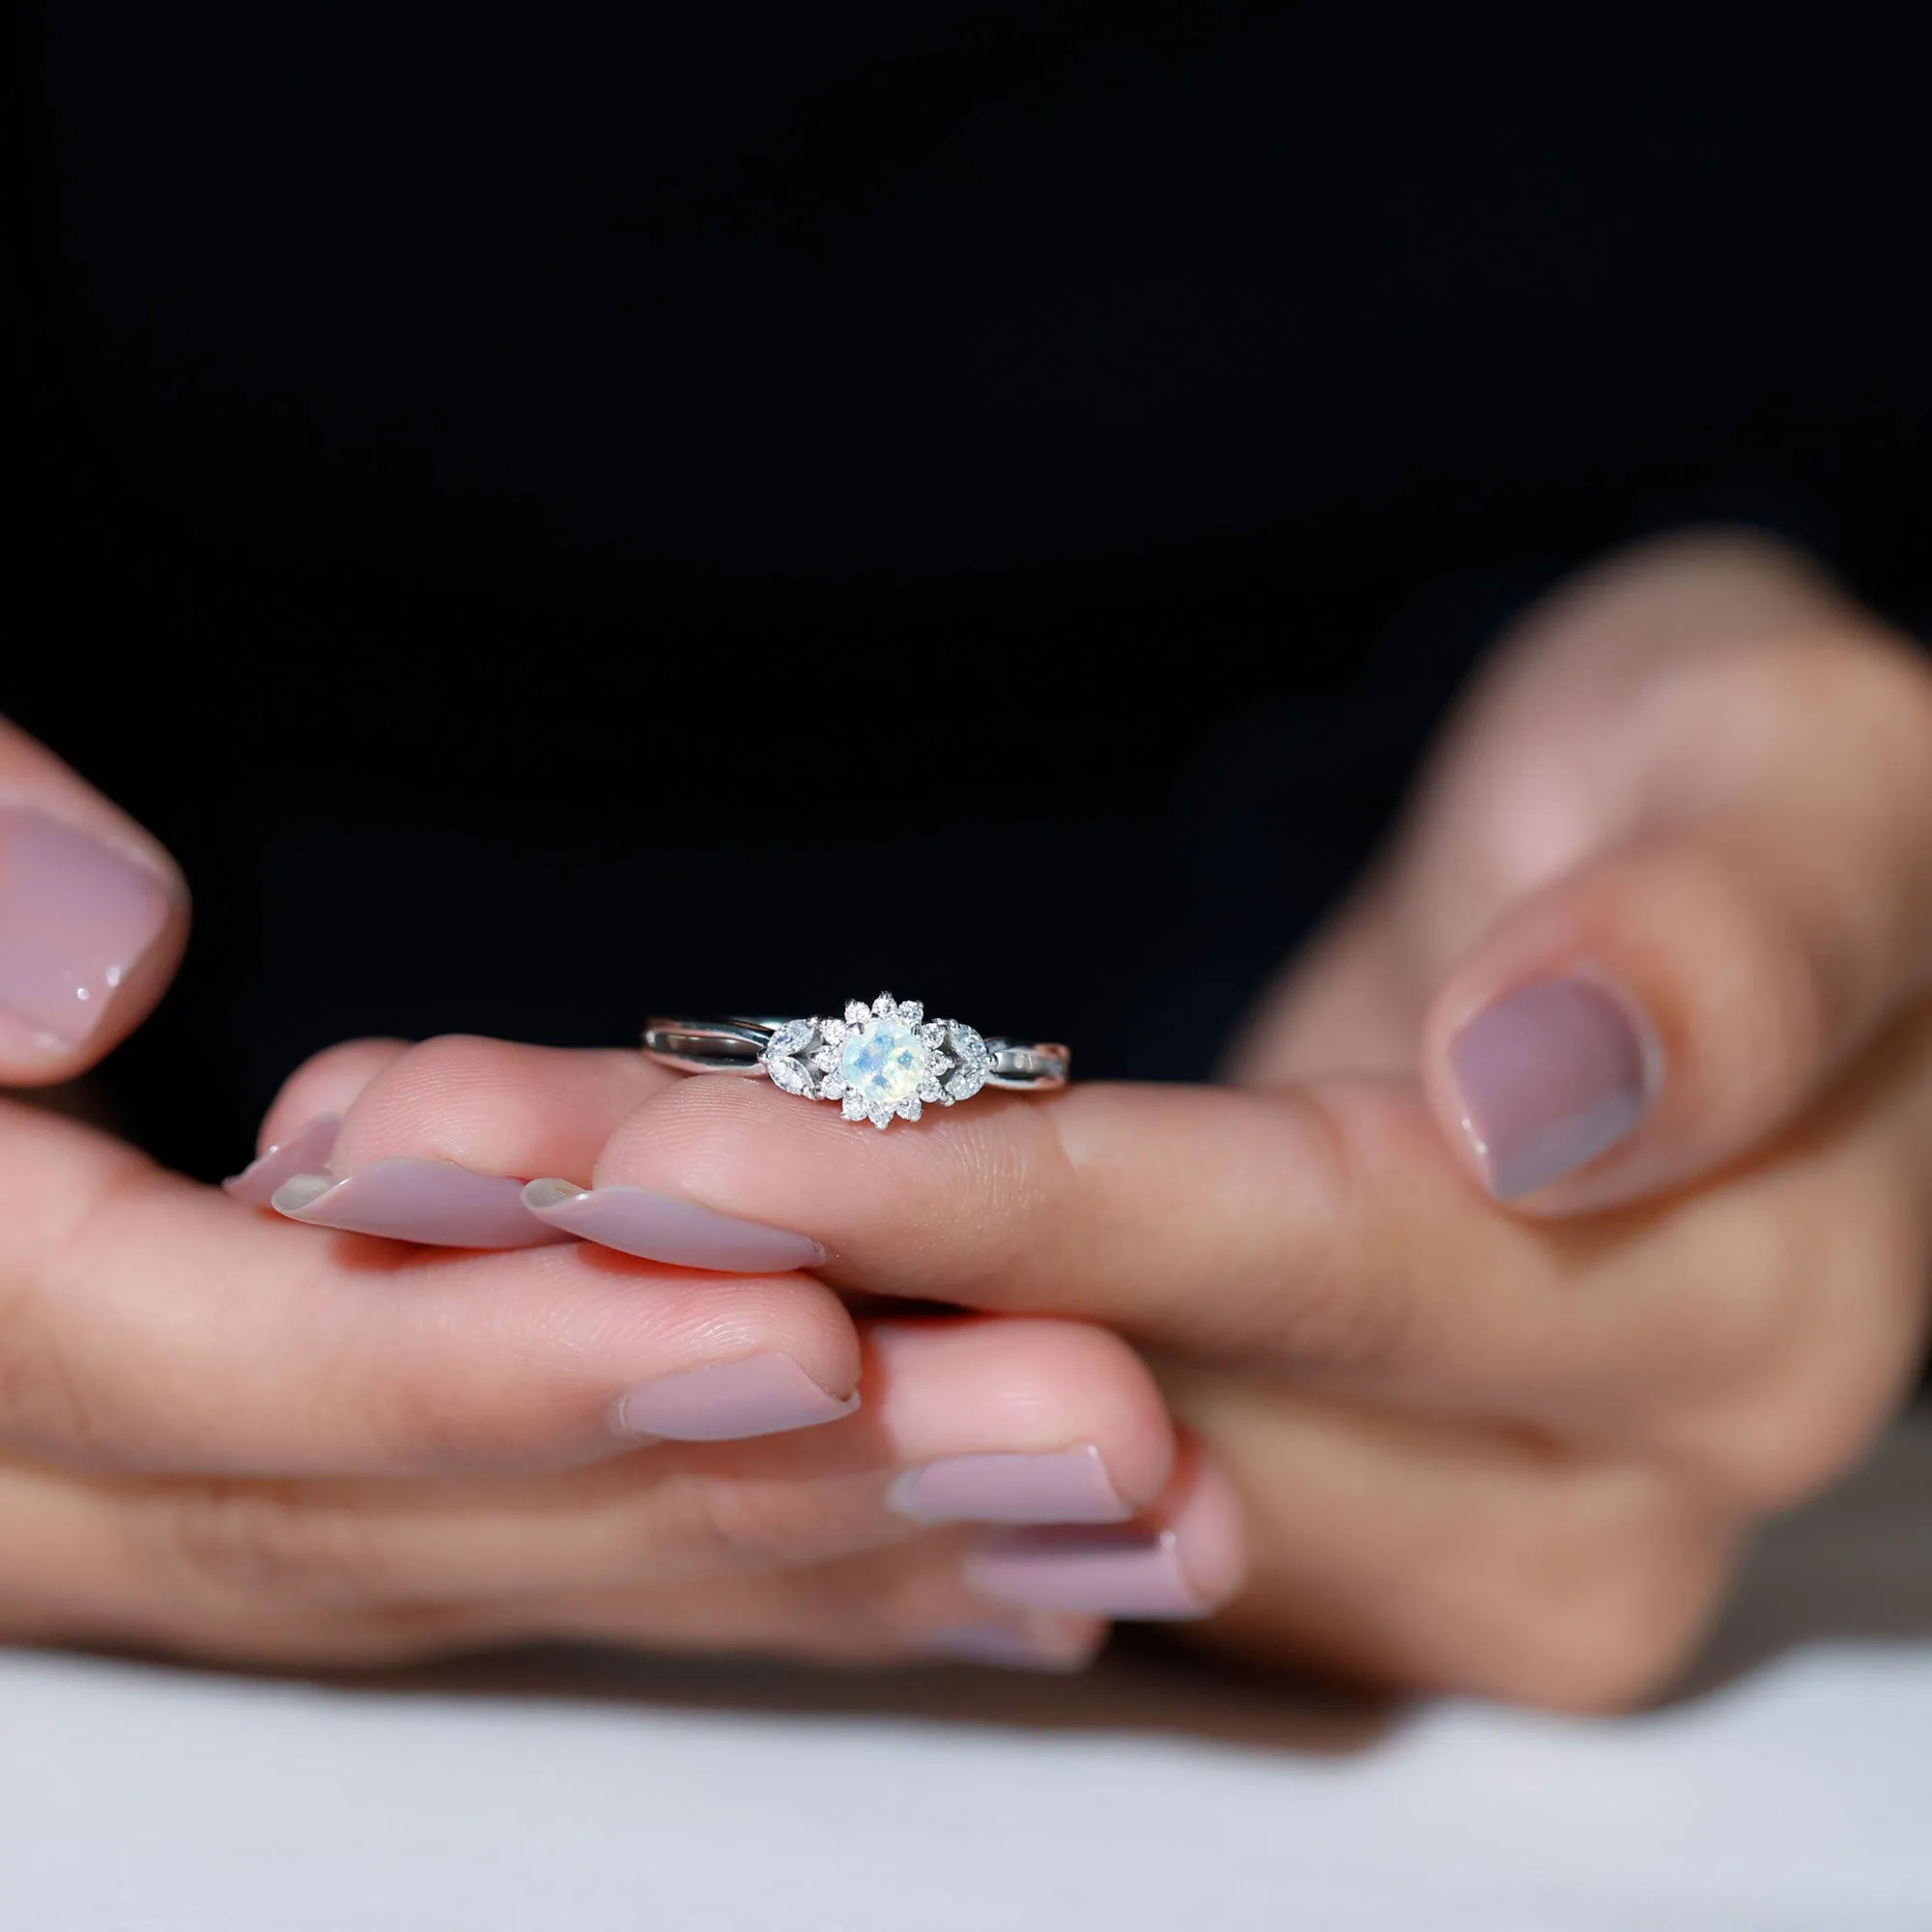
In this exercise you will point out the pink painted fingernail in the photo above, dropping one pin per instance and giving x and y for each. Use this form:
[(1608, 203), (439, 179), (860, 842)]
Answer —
[(75, 917), (1185, 1568), (1065, 1486), (304, 1152), (660, 1228), (726, 1402), (1110, 1572), (1548, 1078), (432, 1202), (1041, 1643)]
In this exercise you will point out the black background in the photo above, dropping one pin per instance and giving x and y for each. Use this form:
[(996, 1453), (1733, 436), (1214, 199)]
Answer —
[(564, 514)]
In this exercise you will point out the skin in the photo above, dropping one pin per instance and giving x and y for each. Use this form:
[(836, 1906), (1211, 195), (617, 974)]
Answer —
[(1510, 1449)]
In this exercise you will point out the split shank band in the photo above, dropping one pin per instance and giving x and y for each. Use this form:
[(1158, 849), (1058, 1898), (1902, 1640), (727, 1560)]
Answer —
[(738, 1045)]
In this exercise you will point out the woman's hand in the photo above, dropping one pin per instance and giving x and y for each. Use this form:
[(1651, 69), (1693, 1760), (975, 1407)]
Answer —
[(226, 1436), (1650, 963)]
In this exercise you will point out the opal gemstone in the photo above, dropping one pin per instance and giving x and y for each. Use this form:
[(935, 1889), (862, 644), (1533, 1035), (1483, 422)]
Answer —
[(882, 1062)]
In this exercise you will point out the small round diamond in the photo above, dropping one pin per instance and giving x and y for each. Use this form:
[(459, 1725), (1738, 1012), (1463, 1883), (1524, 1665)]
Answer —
[(885, 1061)]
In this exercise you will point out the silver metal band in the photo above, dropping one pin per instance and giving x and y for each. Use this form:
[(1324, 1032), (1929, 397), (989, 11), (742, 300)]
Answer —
[(882, 1062), (737, 1045)]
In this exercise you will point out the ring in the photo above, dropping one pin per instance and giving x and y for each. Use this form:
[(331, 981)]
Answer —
[(881, 1063)]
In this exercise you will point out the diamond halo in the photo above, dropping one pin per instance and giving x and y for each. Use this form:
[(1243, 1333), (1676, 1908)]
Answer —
[(881, 1063)]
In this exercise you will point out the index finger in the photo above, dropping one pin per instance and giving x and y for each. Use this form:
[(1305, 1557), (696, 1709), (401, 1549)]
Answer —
[(1326, 1230)]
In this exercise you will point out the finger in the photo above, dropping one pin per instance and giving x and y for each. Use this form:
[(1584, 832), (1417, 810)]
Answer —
[(1400, 1552), (149, 1323), (990, 1595), (997, 1422), (326, 1084), (438, 1143), (1748, 899), (298, 1132), (1310, 1225), (1183, 1563), (254, 1583), (1326, 1233), (92, 918)]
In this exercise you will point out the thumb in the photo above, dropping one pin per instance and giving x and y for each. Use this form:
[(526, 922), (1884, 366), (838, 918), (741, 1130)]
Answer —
[(1746, 898), (92, 918)]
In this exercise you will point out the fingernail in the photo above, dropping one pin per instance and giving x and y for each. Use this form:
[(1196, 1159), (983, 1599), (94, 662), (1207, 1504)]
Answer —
[(759, 1394), (432, 1202), (660, 1228), (1043, 1643), (1548, 1078), (1106, 1573), (304, 1150), (1067, 1486), (75, 917)]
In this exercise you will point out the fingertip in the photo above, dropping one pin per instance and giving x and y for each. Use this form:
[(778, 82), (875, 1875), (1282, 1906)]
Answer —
[(1180, 1564), (299, 1192), (91, 927), (495, 1106), (1211, 1533), (325, 1087), (282, 1163), (999, 1419)]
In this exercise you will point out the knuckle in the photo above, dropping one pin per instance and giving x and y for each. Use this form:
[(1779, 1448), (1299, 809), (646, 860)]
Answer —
[(1758, 981), (1843, 718), (1620, 1626), (1776, 1453), (1883, 685), (261, 1540), (1823, 1356)]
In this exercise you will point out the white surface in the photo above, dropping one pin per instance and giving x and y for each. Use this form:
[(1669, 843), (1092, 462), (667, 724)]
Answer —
[(1798, 1795)]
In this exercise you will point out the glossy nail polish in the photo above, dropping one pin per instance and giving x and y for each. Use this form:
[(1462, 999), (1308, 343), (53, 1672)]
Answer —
[(75, 917), (432, 1202), (727, 1402), (1064, 1486), (306, 1151), (660, 1228), (1548, 1078)]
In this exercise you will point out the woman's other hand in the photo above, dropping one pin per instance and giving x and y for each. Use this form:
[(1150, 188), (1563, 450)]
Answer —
[(1573, 1211)]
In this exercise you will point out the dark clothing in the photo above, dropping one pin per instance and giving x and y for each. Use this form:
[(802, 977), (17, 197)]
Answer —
[(545, 512)]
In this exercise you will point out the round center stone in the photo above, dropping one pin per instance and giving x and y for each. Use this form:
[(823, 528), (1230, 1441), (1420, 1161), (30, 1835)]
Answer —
[(882, 1062)]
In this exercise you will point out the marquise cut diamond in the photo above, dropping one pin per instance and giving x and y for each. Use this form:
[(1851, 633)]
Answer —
[(788, 1074), (974, 1064)]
